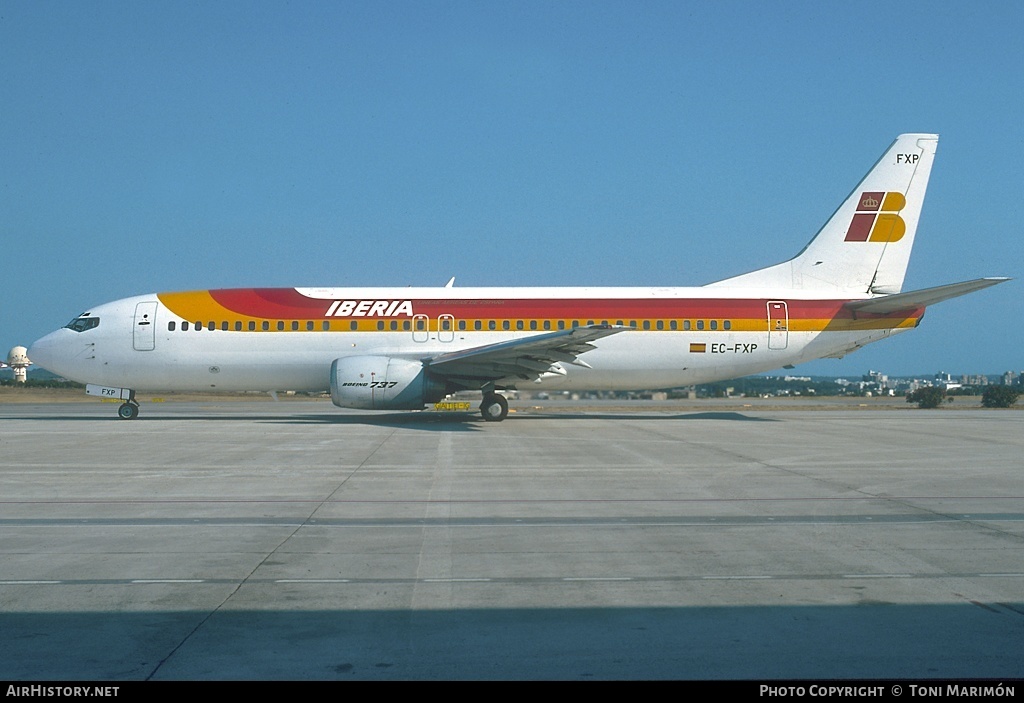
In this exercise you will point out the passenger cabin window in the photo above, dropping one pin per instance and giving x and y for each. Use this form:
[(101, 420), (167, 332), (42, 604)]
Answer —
[(252, 325), (184, 326), (171, 325)]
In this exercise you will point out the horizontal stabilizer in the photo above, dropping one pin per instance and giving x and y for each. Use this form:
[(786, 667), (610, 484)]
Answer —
[(921, 298)]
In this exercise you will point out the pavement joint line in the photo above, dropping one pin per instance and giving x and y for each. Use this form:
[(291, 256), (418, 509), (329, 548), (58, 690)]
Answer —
[(737, 578), (878, 576), (487, 579)]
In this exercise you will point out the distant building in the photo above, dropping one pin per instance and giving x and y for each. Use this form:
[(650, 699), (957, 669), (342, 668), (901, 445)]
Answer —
[(877, 377), (875, 382)]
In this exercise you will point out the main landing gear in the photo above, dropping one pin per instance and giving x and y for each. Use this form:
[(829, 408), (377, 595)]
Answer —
[(494, 407)]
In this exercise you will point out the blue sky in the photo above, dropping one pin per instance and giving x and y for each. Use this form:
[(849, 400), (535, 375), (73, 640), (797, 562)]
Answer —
[(182, 145)]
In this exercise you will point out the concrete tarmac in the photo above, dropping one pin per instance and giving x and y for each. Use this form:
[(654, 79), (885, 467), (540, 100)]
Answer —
[(253, 540)]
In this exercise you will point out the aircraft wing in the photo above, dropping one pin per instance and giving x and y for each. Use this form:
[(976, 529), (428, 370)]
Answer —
[(526, 358), (921, 298)]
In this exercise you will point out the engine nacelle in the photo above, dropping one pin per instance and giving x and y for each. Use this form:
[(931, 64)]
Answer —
[(383, 383)]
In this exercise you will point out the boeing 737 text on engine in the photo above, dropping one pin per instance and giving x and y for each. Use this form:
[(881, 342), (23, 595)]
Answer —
[(404, 348)]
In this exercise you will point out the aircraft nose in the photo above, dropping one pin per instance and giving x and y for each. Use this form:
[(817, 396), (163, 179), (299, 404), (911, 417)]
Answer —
[(44, 352)]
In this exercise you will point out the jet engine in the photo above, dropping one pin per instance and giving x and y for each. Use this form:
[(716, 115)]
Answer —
[(383, 383)]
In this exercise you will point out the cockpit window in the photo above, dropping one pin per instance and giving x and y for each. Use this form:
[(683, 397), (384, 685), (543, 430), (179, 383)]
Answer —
[(83, 323)]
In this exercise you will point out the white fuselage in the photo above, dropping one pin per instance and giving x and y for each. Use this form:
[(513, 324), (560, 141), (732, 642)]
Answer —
[(157, 354)]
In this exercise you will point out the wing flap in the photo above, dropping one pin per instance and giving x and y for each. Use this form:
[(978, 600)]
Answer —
[(527, 358)]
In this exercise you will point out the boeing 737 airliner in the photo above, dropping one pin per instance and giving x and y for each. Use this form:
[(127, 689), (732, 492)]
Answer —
[(403, 348)]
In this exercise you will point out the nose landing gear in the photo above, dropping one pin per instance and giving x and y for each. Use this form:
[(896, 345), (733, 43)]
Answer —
[(128, 410)]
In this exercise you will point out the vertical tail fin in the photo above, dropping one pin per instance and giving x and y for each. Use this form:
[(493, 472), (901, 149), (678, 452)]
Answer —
[(865, 246)]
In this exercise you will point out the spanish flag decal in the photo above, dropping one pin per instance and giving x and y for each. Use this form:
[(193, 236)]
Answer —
[(698, 348)]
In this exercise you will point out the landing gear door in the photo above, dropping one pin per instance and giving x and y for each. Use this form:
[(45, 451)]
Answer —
[(144, 338), (778, 324)]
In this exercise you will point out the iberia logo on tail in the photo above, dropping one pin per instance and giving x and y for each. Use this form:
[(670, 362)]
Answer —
[(877, 218)]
